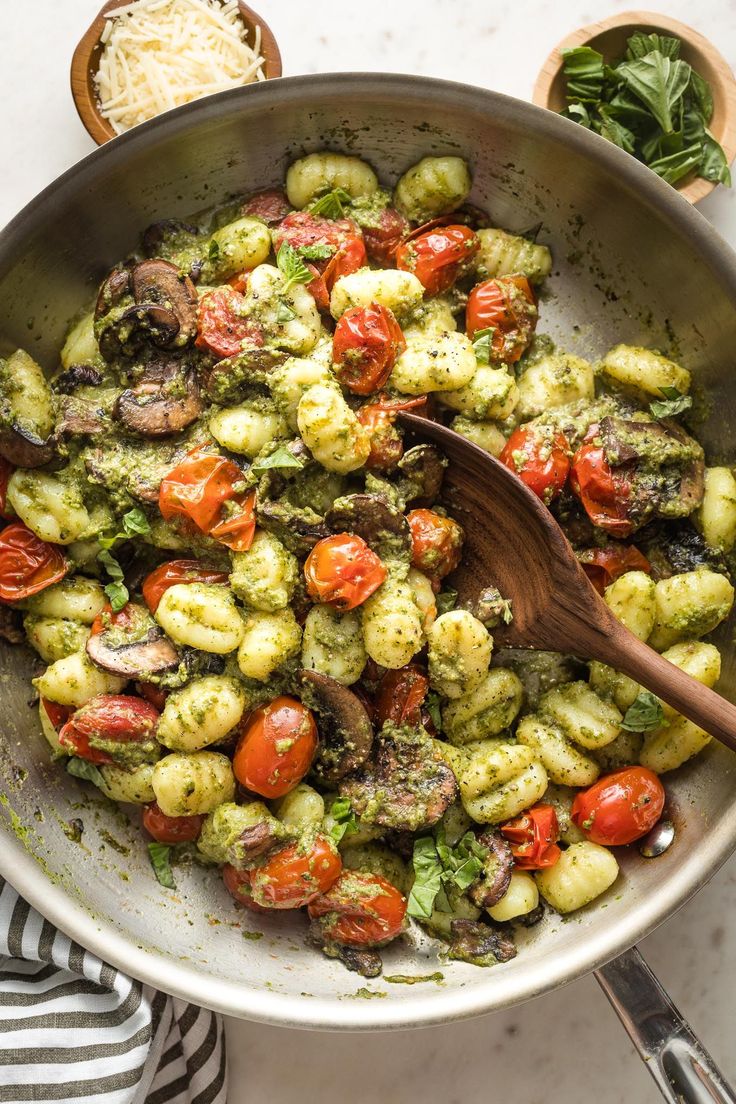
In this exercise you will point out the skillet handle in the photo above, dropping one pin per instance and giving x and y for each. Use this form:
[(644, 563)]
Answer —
[(684, 1071)]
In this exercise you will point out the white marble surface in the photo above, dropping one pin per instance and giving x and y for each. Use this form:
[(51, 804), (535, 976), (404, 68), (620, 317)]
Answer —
[(566, 1046)]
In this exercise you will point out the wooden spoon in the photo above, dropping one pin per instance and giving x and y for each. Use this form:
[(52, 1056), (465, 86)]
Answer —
[(513, 542)]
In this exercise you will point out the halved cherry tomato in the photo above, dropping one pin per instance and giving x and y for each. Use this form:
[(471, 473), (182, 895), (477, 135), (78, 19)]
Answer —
[(360, 910), (534, 836), (439, 257), (436, 542), (57, 714), (383, 239), (27, 564), (271, 206), (400, 696), (342, 571), (379, 417), (365, 345), (237, 883), (276, 747), (604, 492), (224, 328), (168, 574), (620, 807), (604, 565), (153, 694), (506, 306), (541, 459), (295, 876), (171, 829), (301, 228), (125, 619), (203, 491), (94, 731), (6, 470)]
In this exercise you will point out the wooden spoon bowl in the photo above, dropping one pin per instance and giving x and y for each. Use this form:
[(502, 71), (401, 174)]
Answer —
[(609, 38), (513, 542), (86, 61)]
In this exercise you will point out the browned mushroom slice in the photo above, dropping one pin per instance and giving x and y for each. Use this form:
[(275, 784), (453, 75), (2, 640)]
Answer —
[(381, 524), (76, 375), (423, 469), (229, 379), (480, 944), (159, 283), (345, 729), (124, 331), (166, 400), (360, 960), (298, 530), (496, 874), (81, 416), (668, 462), (407, 788), (137, 649), (23, 449), (112, 289)]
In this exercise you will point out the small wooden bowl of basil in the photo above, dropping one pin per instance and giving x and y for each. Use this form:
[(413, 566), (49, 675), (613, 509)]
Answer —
[(673, 107)]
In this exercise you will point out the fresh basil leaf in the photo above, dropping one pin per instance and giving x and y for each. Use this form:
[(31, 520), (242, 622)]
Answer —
[(482, 344), (427, 878), (446, 600), (713, 163), (82, 768), (645, 714), (135, 522), (292, 266), (640, 44), (213, 252), (677, 165), (610, 128), (623, 105), (432, 703), (659, 82), (579, 113), (331, 205), (116, 590), (585, 72), (159, 854), (701, 92), (674, 403), (281, 458), (318, 251), (346, 822), (284, 313)]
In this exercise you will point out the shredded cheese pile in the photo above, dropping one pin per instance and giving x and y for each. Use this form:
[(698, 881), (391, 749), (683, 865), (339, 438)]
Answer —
[(158, 54)]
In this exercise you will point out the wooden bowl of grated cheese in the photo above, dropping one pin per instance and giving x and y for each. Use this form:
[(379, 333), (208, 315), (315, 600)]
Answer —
[(141, 58)]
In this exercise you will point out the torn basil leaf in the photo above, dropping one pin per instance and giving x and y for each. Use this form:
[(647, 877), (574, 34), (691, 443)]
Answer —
[(645, 714), (82, 768), (674, 403), (281, 459), (159, 854)]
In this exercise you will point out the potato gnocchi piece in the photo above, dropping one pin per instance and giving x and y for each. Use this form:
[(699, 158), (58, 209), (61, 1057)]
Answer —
[(204, 712), (504, 254), (439, 362), (269, 639), (320, 172), (201, 615), (583, 872), (434, 316), (273, 308), (644, 370), (48, 505), (227, 826), (486, 710), (424, 597), (80, 345), (73, 680), (716, 516), (689, 605), (554, 381), (392, 623), (696, 658), (333, 644), (264, 577), (609, 683), (54, 638), (236, 247), (134, 787), (490, 393), (50, 734), (583, 716), (331, 431), (497, 778), (434, 186), (302, 808), (245, 429), (565, 764), (192, 784), (25, 396), (75, 598), (400, 291), (621, 752), (292, 379), (460, 648), (632, 600), (521, 898), (485, 435), (671, 746)]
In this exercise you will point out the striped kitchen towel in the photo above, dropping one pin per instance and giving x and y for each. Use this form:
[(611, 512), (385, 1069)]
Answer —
[(74, 1029)]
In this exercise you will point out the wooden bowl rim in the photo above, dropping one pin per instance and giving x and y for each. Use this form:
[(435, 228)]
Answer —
[(81, 72), (693, 190)]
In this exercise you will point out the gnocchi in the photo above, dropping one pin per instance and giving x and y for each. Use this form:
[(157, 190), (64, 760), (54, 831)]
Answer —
[(644, 370), (503, 254), (193, 783), (583, 872), (400, 291), (51, 507), (553, 381), (439, 362), (204, 712), (265, 576), (333, 644), (269, 639), (434, 186), (201, 615), (320, 172), (460, 649), (331, 430)]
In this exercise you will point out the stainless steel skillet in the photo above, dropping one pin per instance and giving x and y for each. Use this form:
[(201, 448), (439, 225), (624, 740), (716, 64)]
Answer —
[(633, 262)]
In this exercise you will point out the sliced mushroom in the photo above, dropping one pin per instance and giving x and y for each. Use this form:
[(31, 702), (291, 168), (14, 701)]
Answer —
[(165, 400), (423, 469), (298, 530), (496, 875), (346, 732), (360, 960), (407, 787), (148, 652), (81, 416), (163, 237), (163, 311), (258, 840), (76, 375), (381, 524), (124, 332), (473, 941), (673, 548), (22, 448), (133, 467), (230, 379), (160, 283), (112, 290)]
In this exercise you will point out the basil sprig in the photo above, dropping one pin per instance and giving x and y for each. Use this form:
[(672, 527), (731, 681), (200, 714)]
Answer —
[(644, 714), (438, 866)]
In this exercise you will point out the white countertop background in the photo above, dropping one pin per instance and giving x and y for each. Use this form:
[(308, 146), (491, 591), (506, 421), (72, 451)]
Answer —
[(568, 1046)]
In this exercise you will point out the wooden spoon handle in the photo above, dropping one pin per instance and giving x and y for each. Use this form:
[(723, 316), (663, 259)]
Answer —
[(622, 650)]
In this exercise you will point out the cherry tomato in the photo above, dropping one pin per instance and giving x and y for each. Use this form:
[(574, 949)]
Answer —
[(6, 470), (27, 564), (365, 345), (534, 835), (620, 807), (171, 829), (506, 306), (276, 747), (294, 876), (342, 571), (127, 620), (438, 257), (604, 565), (57, 714), (201, 490), (153, 694), (541, 459), (360, 910), (379, 417), (400, 696), (383, 239), (224, 328), (93, 731), (301, 228), (237, 883), (271, 206), (436, 542), (604, 493), (177, 571), (239, 283)]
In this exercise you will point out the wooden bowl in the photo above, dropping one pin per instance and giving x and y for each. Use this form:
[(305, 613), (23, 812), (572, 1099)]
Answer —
[(609, 38), (86, 60)]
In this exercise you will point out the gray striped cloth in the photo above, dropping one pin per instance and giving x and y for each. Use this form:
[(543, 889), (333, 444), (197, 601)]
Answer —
[(74, 1029)]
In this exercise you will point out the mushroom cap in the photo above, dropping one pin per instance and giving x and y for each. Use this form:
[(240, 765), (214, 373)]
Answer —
[(346, 732), (23, 449), (155, 406)]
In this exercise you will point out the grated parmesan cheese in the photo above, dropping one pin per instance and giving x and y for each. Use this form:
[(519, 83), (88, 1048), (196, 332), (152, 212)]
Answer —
[(158, 54)]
